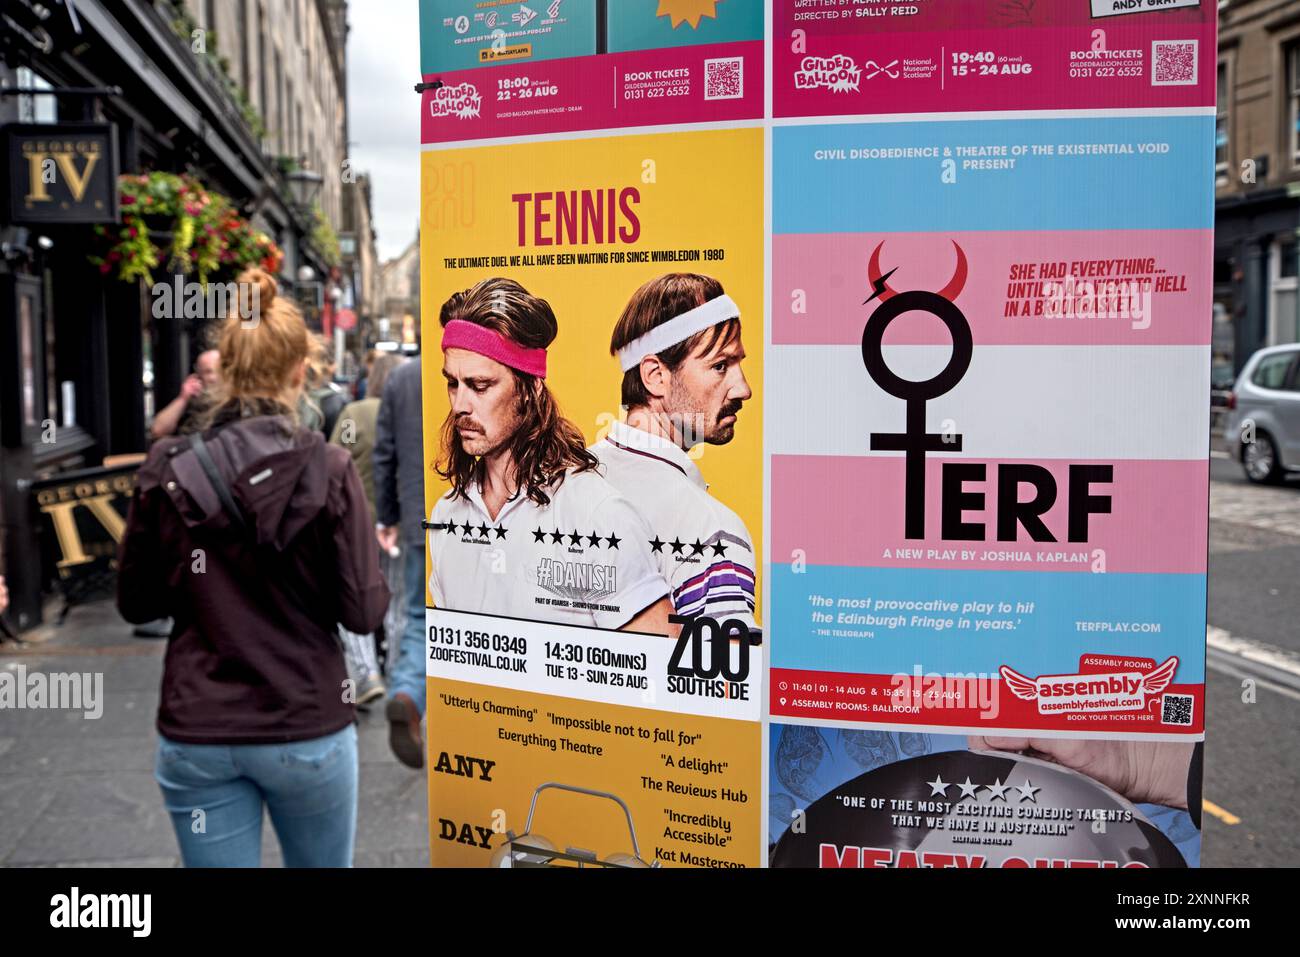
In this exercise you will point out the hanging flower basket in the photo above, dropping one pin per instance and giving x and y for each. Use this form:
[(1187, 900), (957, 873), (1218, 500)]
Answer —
[(171, 220)]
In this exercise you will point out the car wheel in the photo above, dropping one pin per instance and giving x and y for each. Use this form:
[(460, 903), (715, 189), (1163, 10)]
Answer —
[(1260, 461)]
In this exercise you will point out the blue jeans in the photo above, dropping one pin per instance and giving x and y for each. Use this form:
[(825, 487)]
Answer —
[(407, 674), (215, 793)]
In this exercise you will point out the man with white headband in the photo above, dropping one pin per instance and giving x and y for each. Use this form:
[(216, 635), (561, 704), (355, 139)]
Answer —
[(678, 343), (529, 528)]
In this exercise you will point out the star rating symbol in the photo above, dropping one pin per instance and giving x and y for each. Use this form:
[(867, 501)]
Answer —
[(656, 545), (501, 531), (1027, 791), (483, 531), (938, 786), (556, 537), (613, 542), (998, 790), (466, 529), (593, 540), (539, 535), (697, 548), (575, 538), (677, 547), (967, 789), (719, 548)]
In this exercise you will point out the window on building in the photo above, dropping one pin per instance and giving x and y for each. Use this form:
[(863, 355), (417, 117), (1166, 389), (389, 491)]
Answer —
[(1293, 100), (263, 103), (35, 109), (245, 49), (280, 124), (1221, 158)]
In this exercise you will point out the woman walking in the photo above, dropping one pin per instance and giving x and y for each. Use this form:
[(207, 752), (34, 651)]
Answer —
[(255, 536)]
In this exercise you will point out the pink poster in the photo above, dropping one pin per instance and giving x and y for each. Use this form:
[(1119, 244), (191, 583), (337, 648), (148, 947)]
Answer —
[(849, 57)]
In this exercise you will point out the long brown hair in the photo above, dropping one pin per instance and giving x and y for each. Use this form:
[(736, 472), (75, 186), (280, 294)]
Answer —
[(546, 445)]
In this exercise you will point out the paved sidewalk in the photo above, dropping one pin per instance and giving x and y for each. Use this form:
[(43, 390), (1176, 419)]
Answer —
[(78, 792)]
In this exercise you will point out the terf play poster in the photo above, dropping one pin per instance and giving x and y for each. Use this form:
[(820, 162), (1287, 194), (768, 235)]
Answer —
[(569, 721), (987, 433)]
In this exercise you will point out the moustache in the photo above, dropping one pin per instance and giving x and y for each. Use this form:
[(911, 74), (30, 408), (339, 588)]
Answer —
[(467, 423)]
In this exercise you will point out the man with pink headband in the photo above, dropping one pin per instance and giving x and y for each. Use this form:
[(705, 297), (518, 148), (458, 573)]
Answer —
[(529, 528), (678, 343)]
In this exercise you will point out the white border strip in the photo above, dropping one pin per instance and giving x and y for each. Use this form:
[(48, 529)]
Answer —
[(985, 731), (861, 118), (596, 134)]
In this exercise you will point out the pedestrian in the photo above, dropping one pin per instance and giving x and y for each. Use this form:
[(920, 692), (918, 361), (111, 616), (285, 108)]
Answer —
[(181, 415), (254, 535), (360, 387), (355, 431), (399, 516), (323, 399)]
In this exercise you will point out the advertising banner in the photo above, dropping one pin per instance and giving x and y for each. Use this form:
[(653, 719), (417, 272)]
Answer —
[(874, 798), (838, 57), (570, 721), (992, 501), (547, 66), (965, 428)]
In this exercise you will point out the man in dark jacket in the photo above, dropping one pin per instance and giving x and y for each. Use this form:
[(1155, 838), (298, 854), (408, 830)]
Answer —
[(398, 463)]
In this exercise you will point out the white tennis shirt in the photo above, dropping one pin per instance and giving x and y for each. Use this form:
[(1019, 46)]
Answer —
[(584, 559), (702, 547)]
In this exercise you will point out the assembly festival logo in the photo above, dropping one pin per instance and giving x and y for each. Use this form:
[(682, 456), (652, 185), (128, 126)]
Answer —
[(837, 73), (461, 101), (1102, 691)]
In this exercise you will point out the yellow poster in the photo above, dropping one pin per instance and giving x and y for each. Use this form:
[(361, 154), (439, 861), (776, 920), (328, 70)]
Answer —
[(592, 350)]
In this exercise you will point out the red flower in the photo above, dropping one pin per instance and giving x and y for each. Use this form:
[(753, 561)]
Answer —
[(104, 269), (127, 200)]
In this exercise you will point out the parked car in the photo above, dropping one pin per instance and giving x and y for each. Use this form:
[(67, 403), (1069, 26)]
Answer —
[(1263, 427)]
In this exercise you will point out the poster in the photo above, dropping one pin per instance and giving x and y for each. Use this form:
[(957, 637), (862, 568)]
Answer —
[(508, 68), (852, 797), (1027, 441), (845, 57), (946, 376), (548, 686)]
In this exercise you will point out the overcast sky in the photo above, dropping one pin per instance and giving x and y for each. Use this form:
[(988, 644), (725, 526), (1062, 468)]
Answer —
[(384, 113)]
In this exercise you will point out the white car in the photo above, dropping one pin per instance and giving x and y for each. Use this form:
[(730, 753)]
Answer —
[(1263, 427)]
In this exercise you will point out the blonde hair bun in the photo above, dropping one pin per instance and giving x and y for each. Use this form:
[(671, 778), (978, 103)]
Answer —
[(267, 287)]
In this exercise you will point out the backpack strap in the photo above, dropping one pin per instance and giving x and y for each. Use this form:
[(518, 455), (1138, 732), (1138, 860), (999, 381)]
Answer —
[(218, 483)]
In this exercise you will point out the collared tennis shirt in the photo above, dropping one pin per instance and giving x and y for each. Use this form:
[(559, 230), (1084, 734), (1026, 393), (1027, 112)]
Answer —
[(701, 546), (584, 559)]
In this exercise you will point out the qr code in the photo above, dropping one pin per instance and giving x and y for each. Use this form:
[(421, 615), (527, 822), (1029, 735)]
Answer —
[(724, 79), (1173, 63), (1176, 709)]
